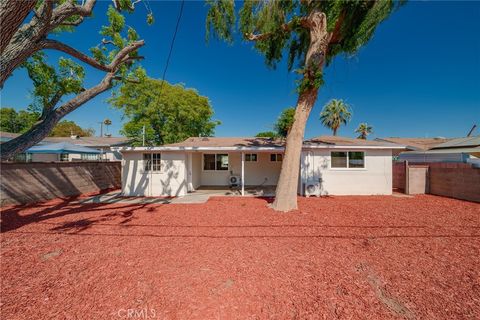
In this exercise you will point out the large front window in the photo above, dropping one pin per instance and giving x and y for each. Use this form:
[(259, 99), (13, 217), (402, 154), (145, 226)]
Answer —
[(215, 162), (348, 159)]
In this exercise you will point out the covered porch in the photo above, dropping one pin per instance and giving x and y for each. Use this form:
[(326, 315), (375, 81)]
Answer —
[(242, 172)]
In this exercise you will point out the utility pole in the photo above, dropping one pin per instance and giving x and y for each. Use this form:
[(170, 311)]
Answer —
[(101, 128), (143, 136)]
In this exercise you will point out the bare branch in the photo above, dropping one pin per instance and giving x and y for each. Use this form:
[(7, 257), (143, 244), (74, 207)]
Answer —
[(60, 46), (12, 14), (73, 23)]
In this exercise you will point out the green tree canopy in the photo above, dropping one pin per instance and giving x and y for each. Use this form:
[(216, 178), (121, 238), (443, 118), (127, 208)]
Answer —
[(16, 122), (284, 122), (65, 128), (170, 113), (334, 114), (364, 129), (267, 134)]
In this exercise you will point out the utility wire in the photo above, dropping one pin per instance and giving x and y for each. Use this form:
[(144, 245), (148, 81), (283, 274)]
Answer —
[(171, 46)]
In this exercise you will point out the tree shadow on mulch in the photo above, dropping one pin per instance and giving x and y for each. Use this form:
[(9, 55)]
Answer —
[(12, 218)]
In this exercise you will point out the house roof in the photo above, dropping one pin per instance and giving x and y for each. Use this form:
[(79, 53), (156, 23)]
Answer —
[(349, 142), (93, 142), (262, 144), (468, 142), (415, 143), (62, 147), (228, 142)]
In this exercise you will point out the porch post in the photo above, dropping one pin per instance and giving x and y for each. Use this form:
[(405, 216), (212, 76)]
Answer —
[(243, 173)]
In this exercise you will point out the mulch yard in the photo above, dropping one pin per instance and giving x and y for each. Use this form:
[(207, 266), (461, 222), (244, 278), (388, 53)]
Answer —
[(372, 257)]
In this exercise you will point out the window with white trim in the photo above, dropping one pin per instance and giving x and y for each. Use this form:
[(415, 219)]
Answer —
[(215, 162), (63, 156), (152, 162), (276, 157), (251, 157), (348, 159), (90, 157)]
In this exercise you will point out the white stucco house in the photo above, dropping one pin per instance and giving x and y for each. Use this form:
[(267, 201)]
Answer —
[(330, 165)]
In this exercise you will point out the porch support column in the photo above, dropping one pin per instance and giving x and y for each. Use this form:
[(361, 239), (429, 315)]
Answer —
[(243, 173)]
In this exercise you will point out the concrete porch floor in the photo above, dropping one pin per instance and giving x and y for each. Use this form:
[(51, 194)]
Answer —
[(201, 195)]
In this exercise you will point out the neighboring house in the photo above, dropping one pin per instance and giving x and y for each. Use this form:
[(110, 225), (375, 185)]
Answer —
[(338, 166), (454, 150), (103, 144), (413, 144)]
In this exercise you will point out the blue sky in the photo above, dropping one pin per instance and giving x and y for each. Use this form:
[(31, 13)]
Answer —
[(418, 76)]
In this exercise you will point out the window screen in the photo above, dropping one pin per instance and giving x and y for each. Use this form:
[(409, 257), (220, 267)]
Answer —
[(208, 162), (251, 157), (222, 161), (339, 159), (356, 159)]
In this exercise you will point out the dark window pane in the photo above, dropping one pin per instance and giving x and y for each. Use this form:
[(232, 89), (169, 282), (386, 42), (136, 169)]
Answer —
[(356, 159), (208, 162), (339, 159), (247, 157), (279, 157), (253, 157), (222, 161), (273, 157), (147, 161)]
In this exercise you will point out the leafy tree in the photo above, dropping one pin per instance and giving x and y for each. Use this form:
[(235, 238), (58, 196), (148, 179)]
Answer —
[(170, 113), (107, 122), (284, 122), (65, 128), (267, 134), (312, 33), (16, 122), (334, 114), (26, 27), (364, 130)]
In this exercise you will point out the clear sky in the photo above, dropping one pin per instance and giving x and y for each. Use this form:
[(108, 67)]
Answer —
[(418, 76)]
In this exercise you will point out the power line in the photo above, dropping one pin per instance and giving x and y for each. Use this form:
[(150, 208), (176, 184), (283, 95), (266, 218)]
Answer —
[(171, 46)]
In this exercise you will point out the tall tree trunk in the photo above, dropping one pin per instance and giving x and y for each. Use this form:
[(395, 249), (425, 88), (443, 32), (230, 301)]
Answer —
[(335, 131), (286, 193), (287, 187)]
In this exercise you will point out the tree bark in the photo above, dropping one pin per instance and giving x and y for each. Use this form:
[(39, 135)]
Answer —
[(286, 192), (12, 14)]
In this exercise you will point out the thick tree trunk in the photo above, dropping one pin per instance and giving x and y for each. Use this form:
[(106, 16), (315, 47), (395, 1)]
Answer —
[(286, 193), (334, 131), (12, 14)]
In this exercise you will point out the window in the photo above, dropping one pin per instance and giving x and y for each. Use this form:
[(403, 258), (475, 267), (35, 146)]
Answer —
[(90, 157), (215, 162), (152, 161), (63, 156), (252, 157), (350, 159), (276, 157)]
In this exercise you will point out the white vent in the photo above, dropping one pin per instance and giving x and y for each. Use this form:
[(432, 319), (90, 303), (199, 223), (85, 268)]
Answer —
[(313, 189)]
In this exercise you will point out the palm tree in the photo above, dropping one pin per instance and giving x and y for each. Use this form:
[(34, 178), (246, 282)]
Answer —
[(364, 130), (334, 114)]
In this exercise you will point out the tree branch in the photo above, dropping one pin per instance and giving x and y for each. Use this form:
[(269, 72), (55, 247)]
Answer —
[(286, 27)]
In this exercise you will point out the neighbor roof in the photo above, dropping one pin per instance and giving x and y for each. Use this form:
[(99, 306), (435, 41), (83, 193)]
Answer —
[(81, 141), (415, 143), (460, 143)]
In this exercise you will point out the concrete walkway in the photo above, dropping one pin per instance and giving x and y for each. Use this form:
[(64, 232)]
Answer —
[(199, 196)]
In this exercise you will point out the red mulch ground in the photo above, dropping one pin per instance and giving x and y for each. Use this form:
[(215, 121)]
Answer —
[(233, 258)]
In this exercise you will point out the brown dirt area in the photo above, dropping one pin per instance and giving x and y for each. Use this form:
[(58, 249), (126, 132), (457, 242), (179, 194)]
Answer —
[(375, 257)]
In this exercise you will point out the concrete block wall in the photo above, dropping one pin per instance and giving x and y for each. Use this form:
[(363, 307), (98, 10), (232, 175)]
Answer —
[(23, 183), (459, 180)]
